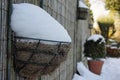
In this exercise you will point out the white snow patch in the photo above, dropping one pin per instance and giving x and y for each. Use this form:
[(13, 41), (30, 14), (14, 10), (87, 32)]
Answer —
[(84, 72), (29, 20), (96, 37), (110, 71), (113, 44), (113, 47), (78, 77), (82, 5)]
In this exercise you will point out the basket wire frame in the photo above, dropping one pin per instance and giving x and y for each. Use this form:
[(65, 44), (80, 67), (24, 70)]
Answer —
[(36, 51), (6, 65)]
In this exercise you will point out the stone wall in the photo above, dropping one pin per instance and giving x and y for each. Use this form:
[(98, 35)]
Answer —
[(64, 11), (84, 32), (3, 38)]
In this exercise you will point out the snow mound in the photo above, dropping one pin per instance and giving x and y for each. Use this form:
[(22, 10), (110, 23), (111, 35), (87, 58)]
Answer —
[(78, 77), (28, 20), (110, 71), (84, 72)]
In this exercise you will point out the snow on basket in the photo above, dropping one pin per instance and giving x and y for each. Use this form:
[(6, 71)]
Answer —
[(40, 42)]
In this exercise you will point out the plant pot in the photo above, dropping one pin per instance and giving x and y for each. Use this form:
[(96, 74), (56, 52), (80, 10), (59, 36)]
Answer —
[(113, 52), (95, 66)]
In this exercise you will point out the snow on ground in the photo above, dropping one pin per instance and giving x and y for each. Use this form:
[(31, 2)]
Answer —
[(84, 72), (110, 71), (77, 77), (29, 20)]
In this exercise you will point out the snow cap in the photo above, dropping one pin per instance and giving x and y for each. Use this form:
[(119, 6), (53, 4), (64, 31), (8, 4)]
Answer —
[(82, 5), (96, 37), (28, 20)]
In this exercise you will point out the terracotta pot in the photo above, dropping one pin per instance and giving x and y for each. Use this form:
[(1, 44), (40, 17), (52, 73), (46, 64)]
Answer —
[(113, 52), (95, 66)]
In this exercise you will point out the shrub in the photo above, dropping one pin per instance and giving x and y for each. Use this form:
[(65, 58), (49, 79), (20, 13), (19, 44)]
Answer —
[(94, 47)]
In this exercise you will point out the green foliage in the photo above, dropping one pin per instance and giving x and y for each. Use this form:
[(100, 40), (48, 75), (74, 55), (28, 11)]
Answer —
[(90, 11), (105, 22), (113, 4), (87, 3), (94, 49)]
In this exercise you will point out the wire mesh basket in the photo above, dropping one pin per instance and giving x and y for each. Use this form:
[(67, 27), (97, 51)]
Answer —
[(34, 56)]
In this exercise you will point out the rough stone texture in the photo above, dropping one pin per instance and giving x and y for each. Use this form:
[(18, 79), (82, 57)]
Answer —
[(3, 40), (64, 11), (84, 33)]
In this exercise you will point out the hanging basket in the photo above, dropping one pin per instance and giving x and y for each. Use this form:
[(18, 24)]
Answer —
[(36, 56)]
